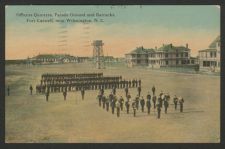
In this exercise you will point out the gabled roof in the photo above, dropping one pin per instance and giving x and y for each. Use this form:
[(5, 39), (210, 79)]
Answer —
[(171, 48), (141, 50), (213, 45)]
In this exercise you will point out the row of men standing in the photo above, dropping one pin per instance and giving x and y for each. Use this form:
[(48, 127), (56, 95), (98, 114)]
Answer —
[(113, 101)]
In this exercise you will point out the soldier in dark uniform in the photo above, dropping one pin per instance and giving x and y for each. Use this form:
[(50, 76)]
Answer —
[(8, 90), (148, 96), (118, 108), (47, 95), (64, 94), (139, 82), (113, 104), (128, 96), (181, 102), (158, 111), (142, 102), (103, 101), (99, 99), (166, 105), (153, 90), (127, 104), (139, 90), (160, 100), (134, 106), (137, 102), (121, 100), (154, 101), (31, 89), (114, 90), (82, 93), (126, 91), (107, 104), (148, 104), (175, 101)]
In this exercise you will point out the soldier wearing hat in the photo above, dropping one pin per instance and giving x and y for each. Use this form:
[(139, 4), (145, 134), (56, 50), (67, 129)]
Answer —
[(47, 95), (139, 90), (142, 102), (153, 90), (154, 101), (121, 100), (31, 89), (166, 105), (82, 93), (137, 102), (175, 101), (127, 104), (148, 104), (181, 102), (99, 99), (107, 104), (118, 108), (134, 107), (113, 104), (64, 94), (158, 110), (126, 91)]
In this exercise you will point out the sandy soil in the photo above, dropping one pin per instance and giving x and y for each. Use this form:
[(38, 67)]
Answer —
[(29, 118)]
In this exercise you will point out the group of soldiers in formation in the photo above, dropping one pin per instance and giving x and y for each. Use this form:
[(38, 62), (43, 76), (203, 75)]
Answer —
[(81, 82), (118, 103), (64, 82)]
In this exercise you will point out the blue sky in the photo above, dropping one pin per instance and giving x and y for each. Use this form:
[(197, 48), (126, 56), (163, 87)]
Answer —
[(139, 25)]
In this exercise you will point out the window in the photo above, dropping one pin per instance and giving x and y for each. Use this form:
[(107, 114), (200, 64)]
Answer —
[(211, 54), (167, 62), (177, 55), (177, 62), (166, 55), (181, 54), (186, 54)]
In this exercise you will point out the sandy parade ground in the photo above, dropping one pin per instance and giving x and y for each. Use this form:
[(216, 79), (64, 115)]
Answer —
[(29, 118)]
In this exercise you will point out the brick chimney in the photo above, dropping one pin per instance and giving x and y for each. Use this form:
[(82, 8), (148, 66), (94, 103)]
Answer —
[(186, 45)]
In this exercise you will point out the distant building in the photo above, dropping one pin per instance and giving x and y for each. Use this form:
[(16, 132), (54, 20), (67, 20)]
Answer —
[(170, 55), (138, 57), (165, 56), (209, 59), (54, 59)]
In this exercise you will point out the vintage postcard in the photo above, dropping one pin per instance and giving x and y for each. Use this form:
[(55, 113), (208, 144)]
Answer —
[(112, 74)]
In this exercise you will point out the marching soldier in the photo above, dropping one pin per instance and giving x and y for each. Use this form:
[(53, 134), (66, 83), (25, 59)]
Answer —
[(160, 101), (127, 104), (8, 90), (121, 100), (118, 108), (134, 107), (139, 90), (166, 105), (128, 96), (114, 90), (107, 104), (47, 95), (181, 102), (175, 101), (158, 111), (153, 90), (137, 102), (64, 94), (142, 102), (31, 89), (148, 104), (82, 93), (103, 101), (99, 99), (148, 96), (154, 101), (113, 104), (126, 91)]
